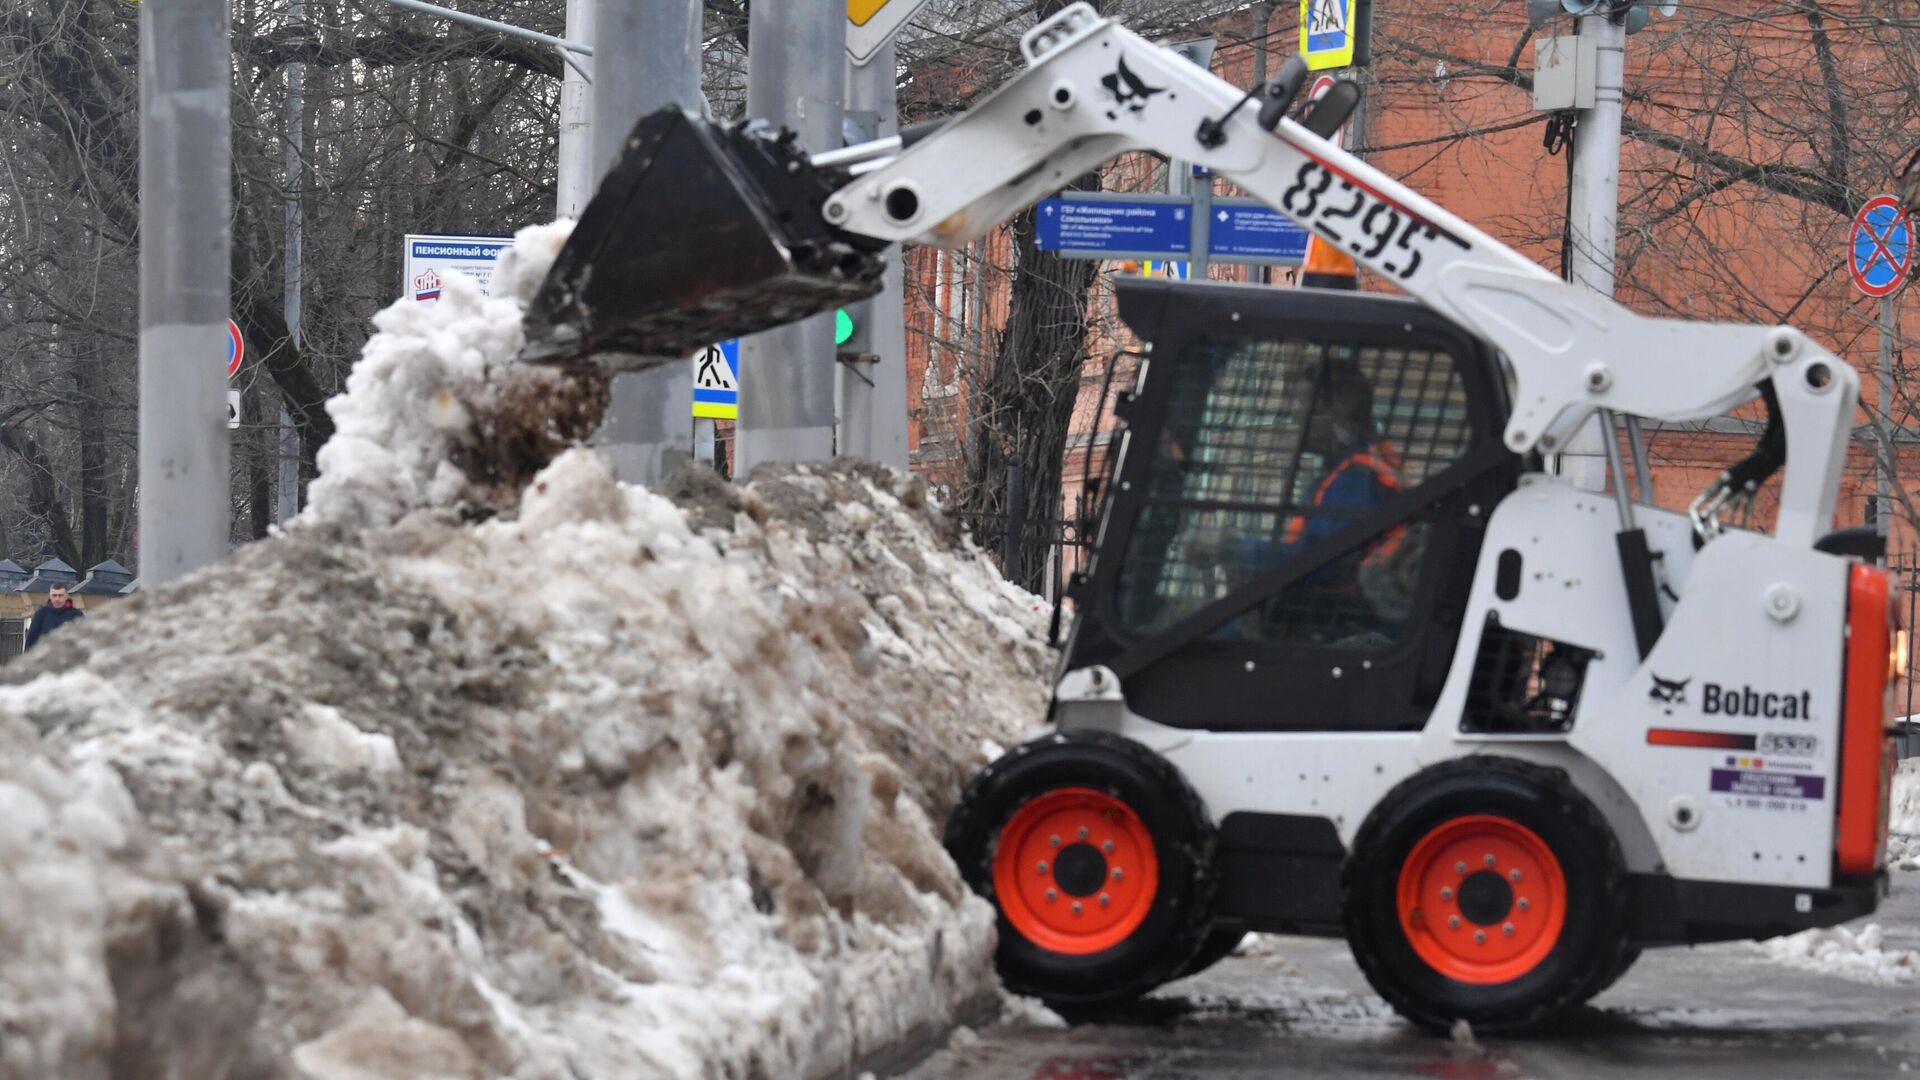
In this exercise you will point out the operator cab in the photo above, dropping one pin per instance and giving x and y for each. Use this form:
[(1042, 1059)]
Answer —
[(1297, 509)]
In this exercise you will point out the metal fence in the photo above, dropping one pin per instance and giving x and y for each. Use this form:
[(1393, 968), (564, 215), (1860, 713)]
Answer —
[(1067, 543)]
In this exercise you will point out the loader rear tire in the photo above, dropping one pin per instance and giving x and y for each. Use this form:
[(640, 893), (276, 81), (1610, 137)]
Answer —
[(1217, 946), (1097, 855), (1487, 890), (1629, 954)]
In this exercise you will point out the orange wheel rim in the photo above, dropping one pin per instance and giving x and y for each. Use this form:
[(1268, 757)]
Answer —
[(1074, 871), (1482, 899)]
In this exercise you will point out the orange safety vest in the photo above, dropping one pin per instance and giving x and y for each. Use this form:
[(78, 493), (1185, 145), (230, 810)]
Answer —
[(1380, 460)]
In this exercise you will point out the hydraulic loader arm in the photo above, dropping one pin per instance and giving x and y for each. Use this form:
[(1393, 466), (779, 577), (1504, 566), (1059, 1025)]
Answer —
[(1093, 90)]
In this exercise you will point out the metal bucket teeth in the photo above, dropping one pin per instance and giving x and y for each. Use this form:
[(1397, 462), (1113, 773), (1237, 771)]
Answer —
[(698, 234)]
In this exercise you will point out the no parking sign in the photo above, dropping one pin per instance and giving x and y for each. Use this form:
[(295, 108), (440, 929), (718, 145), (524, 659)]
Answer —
[(236, 348), (1880, 247)]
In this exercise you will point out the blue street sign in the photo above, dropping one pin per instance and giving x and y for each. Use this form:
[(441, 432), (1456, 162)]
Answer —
[(716, 388), (1147, 226), (1255, 232)]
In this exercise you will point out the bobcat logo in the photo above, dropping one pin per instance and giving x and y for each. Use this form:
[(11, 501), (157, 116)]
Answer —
[(1669, 691), (1128, 89)]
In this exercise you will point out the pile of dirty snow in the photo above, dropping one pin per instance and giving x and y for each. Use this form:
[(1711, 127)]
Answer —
[(1903, 824), (458, 780), (1859, 955), (439, 414)]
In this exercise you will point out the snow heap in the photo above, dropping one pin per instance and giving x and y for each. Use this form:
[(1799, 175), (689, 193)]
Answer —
[(610, 784), (438, 414), (1903, 824), (1859, 955)]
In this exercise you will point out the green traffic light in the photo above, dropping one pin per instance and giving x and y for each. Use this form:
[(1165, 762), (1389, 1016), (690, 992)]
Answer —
[(842, 326)]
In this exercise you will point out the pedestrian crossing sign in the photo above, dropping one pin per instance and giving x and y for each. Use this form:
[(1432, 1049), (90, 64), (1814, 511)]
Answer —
[(716, 381), (1328, 31)]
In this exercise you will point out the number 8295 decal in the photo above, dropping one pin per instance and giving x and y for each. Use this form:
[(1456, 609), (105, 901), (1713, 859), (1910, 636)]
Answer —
[(1348, 215)]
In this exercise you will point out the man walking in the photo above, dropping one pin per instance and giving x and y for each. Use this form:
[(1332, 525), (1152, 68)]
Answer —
[(58, 611)]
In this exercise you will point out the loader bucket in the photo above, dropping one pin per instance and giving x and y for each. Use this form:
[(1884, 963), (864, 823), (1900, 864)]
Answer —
[(699, 233)]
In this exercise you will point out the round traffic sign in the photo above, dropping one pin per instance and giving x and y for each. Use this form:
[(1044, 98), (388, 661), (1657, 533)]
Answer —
[(1880, 247), (1319, 90), (236, 349)]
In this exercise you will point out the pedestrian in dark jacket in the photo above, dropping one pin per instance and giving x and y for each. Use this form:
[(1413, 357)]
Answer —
[(58, 611)]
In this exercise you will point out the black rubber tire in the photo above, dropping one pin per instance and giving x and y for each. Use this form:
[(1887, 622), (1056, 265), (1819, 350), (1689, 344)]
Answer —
[(1621, 965), (1182, 835), (1592, 939), (1215, 947)]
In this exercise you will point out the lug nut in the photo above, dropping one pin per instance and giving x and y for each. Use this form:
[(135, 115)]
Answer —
[(1453, 922), (1052, 896), (1523, 904), (1076, 907), (1488, 860), (1459, 868), (1513, 875), (1042, 867), (1117, 875), (1107, 847), (1054, 839), (1479, 937), (1446, 892), (1507, 929), (1084, 833), (1105, 900)]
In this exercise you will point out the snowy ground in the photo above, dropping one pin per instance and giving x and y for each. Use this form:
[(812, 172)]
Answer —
[(494, 767), (1299, 1008)]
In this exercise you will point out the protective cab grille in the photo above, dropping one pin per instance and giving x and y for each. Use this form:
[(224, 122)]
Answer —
[(1523, 685)]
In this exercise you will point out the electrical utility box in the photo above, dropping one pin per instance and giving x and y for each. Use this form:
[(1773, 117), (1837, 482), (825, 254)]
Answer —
[(1564, 71)]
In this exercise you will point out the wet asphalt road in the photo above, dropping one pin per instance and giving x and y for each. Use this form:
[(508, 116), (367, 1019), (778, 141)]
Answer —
[(1300, 1008)]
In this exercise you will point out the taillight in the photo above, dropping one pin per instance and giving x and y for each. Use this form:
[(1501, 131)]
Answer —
[(1866, 738)]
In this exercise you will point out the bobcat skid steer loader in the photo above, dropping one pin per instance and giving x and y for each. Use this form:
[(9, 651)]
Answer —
[(1346, 660)]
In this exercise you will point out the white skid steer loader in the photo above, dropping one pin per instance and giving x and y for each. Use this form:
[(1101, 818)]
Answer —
[(1346, 660)]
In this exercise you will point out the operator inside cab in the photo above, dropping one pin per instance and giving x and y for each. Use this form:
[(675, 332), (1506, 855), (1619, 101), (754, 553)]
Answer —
[(1362, 471), (1359, 471)]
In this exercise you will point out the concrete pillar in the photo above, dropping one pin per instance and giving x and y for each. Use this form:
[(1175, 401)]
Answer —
[(873, 397), (185, 180), (645, 56), (796, 76)]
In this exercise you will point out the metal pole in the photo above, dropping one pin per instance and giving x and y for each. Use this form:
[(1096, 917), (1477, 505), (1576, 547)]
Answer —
[(649, 58), (795, 78), (1642, 472), (873, 397), (574, 183), (1262, 20), (1016, 523), (287, 501), (1201, 238), (1883, 485), (185, 180), (492, 24), (1595, 210)]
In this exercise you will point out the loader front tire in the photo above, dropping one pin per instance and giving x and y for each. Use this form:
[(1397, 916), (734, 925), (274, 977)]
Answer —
[(1097, 855), (1488, 890)]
